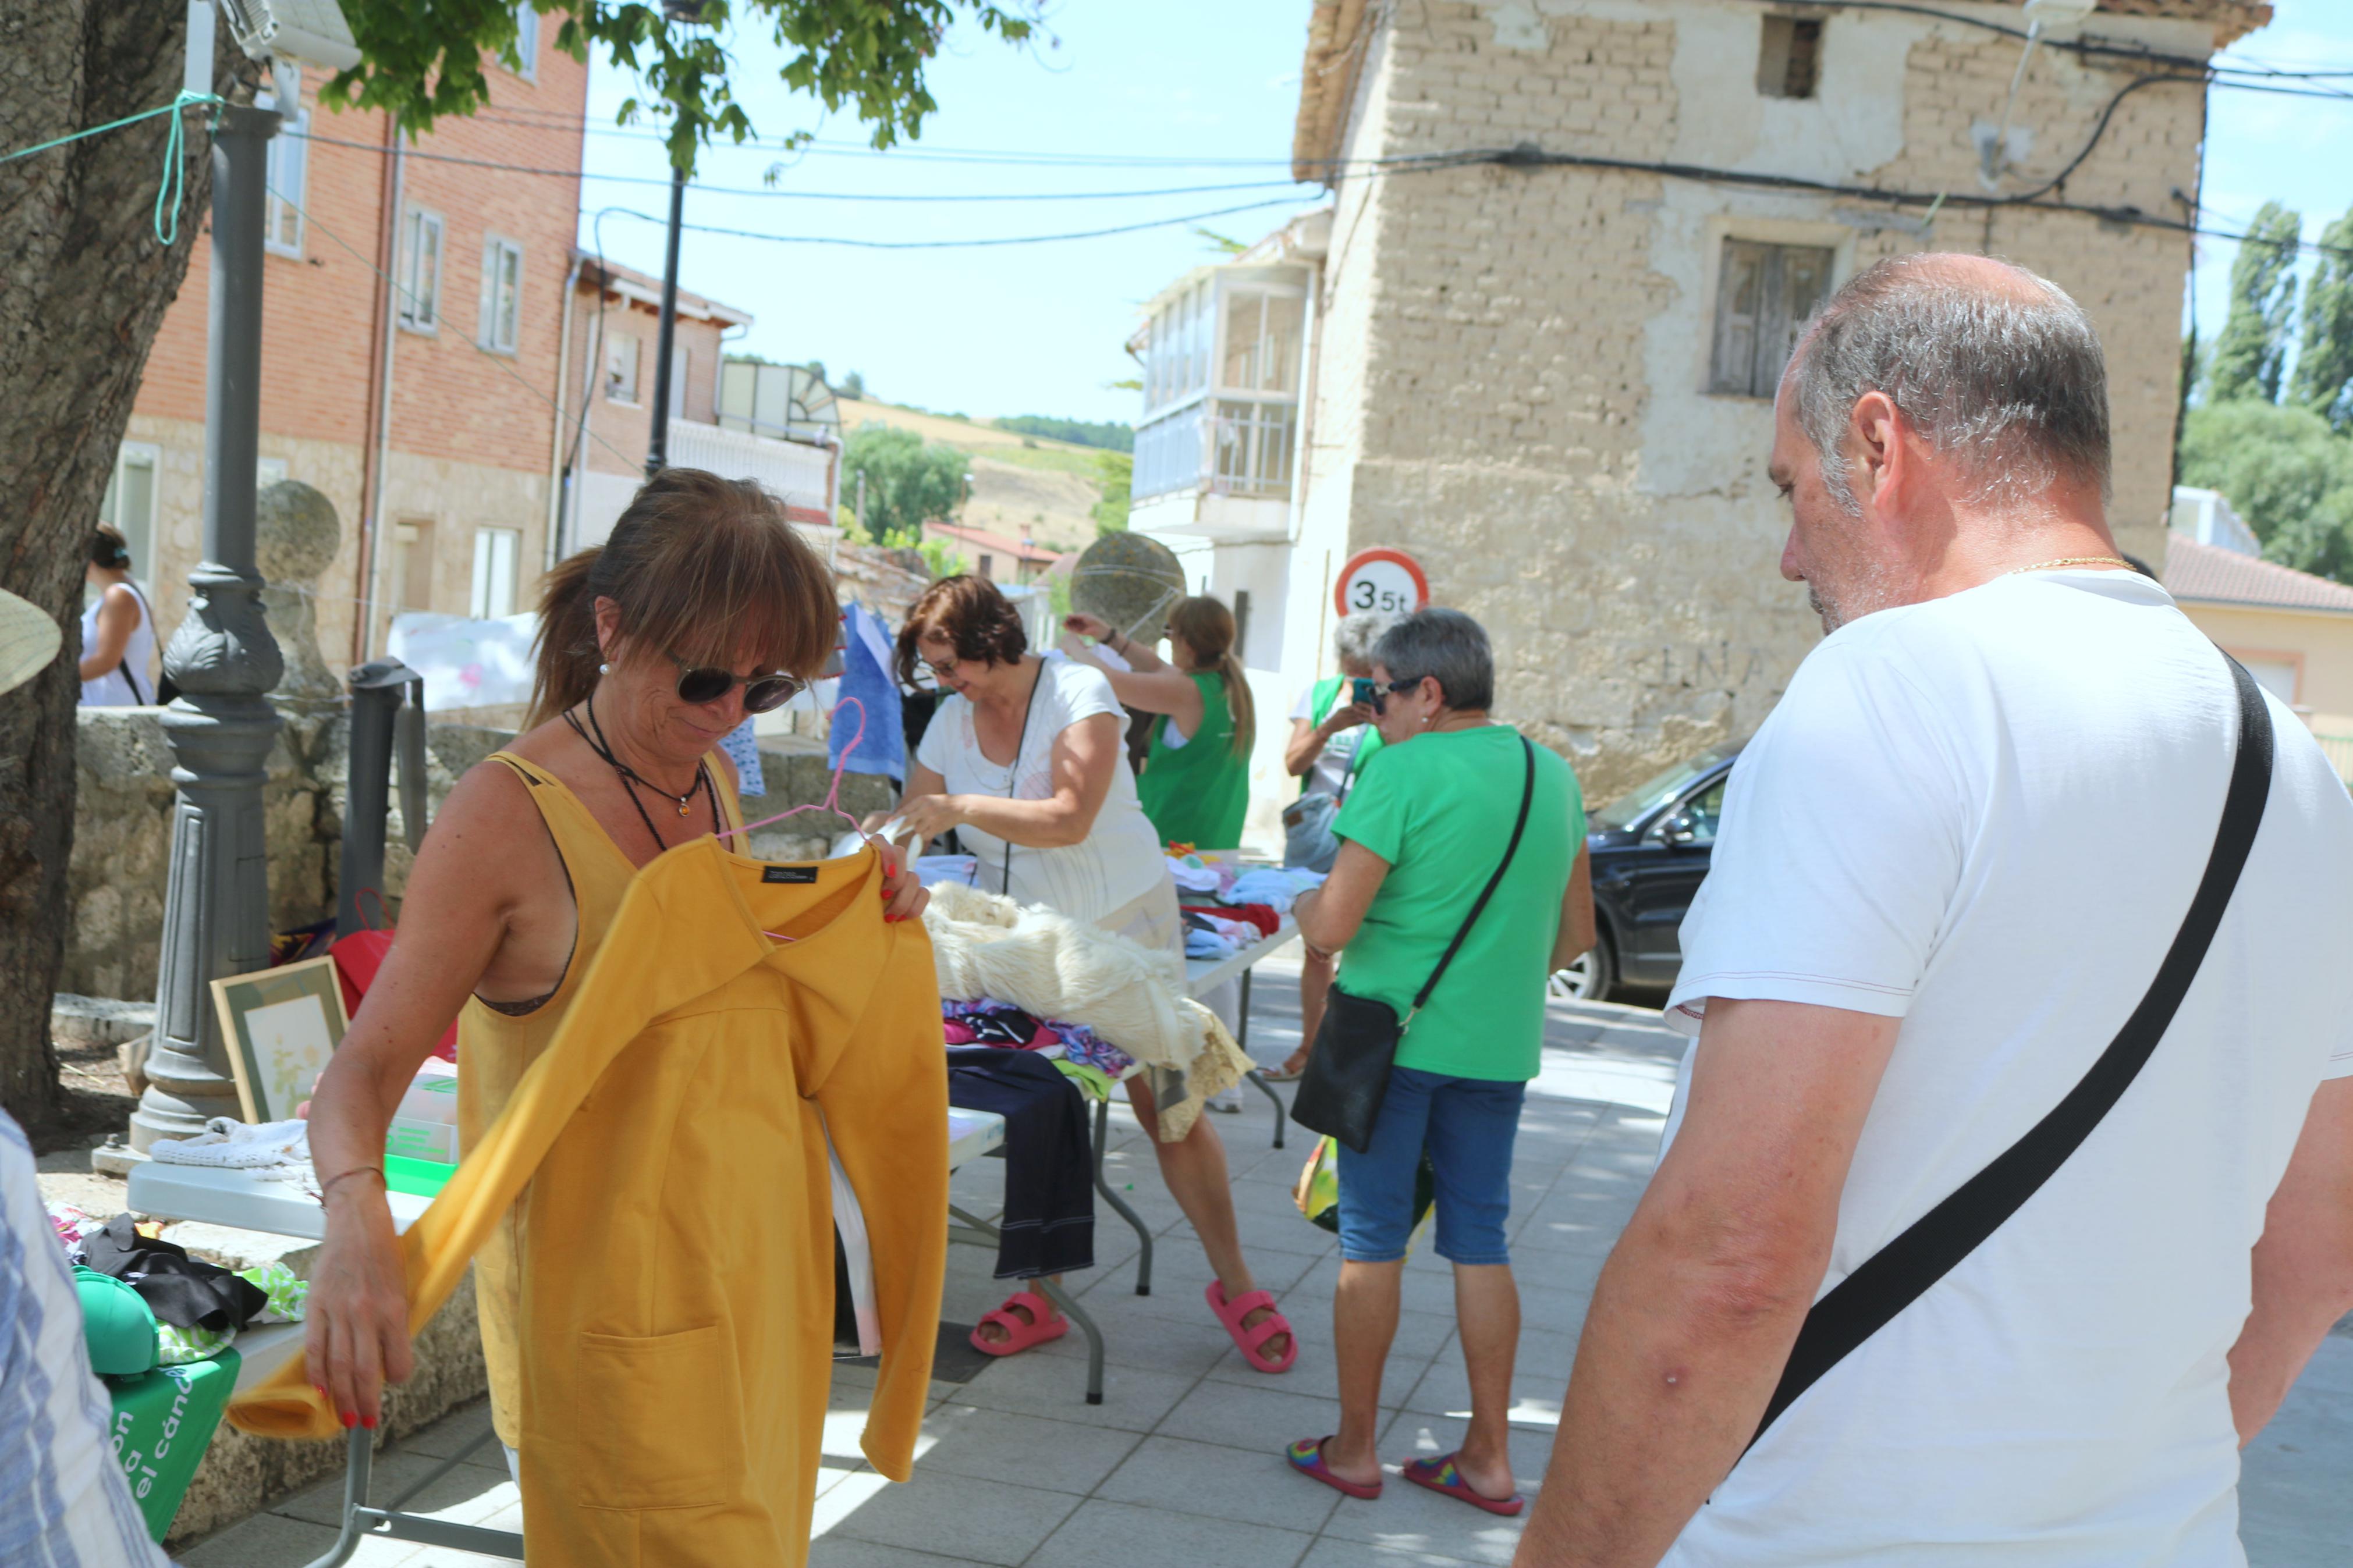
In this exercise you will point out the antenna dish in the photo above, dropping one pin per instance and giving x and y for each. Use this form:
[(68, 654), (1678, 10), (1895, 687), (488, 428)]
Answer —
[(1131, 580)]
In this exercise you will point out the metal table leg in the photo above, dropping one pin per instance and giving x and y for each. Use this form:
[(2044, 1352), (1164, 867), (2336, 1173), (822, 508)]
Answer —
[(361, 1521), (977, 1232), (1241, 1037), (1134, 1221)]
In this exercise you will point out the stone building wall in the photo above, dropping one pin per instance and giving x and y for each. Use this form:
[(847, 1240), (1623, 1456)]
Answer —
[(1511, 362)]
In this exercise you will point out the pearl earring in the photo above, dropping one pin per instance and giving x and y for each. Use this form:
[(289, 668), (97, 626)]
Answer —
[(603, 669)]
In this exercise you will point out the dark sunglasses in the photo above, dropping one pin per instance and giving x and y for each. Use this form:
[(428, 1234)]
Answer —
[(1381, 693), (762, 694)]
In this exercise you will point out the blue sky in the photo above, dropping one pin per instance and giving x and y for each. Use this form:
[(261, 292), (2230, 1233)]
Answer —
[(1029, 329), (1160, 98), (2260, 147)]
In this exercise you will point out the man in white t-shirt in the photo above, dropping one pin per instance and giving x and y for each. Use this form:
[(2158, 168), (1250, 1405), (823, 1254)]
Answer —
[(1950, 864)]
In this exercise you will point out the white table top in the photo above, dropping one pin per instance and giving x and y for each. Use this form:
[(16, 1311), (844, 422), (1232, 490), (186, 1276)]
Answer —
[(1203, 975), (246, 1200)]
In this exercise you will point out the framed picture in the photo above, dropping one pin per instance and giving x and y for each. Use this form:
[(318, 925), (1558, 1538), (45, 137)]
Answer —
[(281, 1025)]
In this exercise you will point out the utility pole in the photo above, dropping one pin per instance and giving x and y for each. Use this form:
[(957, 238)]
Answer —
[(861, 506), (657, 449), (224, 659)]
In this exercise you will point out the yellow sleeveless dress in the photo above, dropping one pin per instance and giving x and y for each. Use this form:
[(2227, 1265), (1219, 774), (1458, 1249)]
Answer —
[(494, 1048), (672, 1273)]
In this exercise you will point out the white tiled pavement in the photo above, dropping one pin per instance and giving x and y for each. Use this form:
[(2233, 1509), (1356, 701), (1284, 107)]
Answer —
[(1179, 1465)]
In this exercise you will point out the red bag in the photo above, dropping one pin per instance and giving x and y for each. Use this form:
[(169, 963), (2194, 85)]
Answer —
[(357, 958)]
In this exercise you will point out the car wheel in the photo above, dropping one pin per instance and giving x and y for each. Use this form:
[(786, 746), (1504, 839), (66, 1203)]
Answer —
[(1591, 978)]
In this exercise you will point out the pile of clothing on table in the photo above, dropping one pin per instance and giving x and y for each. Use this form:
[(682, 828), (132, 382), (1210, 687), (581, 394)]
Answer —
[(1227, 907), (1035, 1007), (146, 1303), (160, 1327)]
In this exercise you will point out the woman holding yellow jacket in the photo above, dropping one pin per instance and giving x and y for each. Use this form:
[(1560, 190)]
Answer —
[(1195, 782)]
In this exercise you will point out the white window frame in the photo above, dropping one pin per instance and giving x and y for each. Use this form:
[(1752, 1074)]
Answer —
[(288, 168), (491, 599), (637, 368), (422, 314), (138, 533), (526, 17), (493, 334)]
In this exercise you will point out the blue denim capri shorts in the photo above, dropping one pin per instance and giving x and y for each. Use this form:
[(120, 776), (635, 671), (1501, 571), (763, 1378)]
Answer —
[(1468, 1125)]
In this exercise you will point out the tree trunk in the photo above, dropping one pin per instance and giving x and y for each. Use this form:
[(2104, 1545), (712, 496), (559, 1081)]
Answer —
[(83, 287)]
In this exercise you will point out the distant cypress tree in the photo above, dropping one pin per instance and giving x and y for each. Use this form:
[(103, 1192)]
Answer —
[(2251, 354), (2324, 366)]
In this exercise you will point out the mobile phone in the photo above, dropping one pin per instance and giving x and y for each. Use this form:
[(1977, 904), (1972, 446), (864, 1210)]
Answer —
[(1360, 690)]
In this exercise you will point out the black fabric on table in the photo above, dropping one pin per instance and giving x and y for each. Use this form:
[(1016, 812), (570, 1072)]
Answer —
[(1049, 1223), (183, 1291)]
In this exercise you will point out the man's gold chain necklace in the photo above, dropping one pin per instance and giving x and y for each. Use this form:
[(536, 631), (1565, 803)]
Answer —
[(2072, 560)]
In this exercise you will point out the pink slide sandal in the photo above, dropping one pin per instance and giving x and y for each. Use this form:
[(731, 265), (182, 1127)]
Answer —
[(1445, 1476), (1044, 1325), (1252, 1342)]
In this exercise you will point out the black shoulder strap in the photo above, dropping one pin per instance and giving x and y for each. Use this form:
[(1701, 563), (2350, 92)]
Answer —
[(1527, 792), (1896, 1275)]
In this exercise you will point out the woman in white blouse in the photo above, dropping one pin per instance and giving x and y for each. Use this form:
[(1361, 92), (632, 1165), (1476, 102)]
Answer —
[(1026, 761)]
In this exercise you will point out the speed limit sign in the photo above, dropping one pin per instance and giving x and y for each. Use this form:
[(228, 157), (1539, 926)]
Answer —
[(1383, 581)]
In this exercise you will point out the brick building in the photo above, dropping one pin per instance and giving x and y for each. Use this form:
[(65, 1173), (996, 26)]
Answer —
[(426, 413), (1552, 383)]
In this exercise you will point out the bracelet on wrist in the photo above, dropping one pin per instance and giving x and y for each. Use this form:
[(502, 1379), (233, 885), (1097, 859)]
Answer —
[(328, 1186)]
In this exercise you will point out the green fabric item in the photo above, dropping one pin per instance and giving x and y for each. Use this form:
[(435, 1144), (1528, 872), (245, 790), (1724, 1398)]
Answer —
[(1320, 700), (1197, 793), (1439, 809), (117, 1325), (288, 1294), (162, 1423), (1092, 1081)]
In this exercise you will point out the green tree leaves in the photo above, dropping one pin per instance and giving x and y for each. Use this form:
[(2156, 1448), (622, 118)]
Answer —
[(2251, 355), (425, 58), (2284, 471), (908, 482), (2323, 364)]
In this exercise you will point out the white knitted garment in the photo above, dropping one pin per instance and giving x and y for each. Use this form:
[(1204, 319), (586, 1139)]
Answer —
[(237, 1145), (1050, 965)]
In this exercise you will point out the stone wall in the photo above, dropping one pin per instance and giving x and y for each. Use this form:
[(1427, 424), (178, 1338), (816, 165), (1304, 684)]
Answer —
[(1512, 363)]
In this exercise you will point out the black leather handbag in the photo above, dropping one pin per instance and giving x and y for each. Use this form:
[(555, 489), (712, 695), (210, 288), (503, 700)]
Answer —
[(1356, 1047)]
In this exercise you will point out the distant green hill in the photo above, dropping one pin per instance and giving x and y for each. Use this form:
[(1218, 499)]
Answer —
[(1108, 434)]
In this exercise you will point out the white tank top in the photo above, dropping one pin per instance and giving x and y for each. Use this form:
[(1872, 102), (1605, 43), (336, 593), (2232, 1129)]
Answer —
[(111, 691)]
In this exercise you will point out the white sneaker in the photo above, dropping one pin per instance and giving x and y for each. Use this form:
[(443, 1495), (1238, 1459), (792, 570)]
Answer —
[(1228, 1103)]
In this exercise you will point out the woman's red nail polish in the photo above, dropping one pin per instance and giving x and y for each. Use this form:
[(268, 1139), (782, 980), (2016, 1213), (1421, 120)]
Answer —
[(368, 1422), (350, 1420)]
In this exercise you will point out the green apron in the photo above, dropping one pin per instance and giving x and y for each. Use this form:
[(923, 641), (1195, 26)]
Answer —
[(1197, 793)]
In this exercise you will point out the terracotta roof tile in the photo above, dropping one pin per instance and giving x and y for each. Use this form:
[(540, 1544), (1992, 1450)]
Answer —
[(2207, 573)]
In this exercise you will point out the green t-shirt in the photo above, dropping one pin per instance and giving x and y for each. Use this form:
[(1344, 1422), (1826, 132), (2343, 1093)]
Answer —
[(1439, 808), (1197, 793)]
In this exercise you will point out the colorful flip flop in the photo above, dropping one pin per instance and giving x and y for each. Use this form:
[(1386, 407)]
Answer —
[(1252, 1342), (1445, 1476), (1044, 1325), (1307, 1457)]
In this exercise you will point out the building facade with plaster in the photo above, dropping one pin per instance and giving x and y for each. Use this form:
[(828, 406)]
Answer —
[(1569, 246)]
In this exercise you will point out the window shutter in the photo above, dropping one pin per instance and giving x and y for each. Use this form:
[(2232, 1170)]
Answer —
[(1737, 298)]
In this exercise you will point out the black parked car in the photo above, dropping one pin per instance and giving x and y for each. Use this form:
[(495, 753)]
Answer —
[(1650, 850)]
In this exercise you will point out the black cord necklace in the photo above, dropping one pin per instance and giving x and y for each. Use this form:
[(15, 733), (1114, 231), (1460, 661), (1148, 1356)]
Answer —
[(630, 780)]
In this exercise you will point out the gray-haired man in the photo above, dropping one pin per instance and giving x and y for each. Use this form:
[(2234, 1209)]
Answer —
[(1949, 865)]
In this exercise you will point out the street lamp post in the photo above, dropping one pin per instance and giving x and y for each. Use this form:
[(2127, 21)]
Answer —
[(657, 449), (224, 659)]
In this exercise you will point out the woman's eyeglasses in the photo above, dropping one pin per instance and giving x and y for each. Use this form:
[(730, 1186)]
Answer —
[(762, 694), (1381, 693)]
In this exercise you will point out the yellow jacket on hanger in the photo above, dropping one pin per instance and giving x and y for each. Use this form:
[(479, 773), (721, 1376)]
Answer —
[(677, 1273)]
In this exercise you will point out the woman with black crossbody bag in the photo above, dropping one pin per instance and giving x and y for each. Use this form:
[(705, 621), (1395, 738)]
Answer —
[(1450, 893)]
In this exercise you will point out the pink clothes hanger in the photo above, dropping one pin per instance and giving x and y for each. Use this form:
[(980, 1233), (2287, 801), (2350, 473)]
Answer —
[(832, 801)]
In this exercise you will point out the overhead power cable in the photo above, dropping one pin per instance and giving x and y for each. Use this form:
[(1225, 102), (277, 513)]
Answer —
[(663, 180), (963, 244)]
